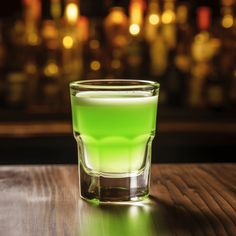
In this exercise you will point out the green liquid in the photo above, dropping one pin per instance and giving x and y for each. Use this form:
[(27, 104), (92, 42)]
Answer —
[(115, 129)]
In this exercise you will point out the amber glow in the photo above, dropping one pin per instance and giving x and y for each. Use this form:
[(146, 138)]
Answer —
[(154, 19), (182, 14), (136, 12), (134, 29), (33, 38), (227, 21), (168, 17), (49, 30), (117, 16), (72, 13), (68, 42), (95, 65), (51, 69)]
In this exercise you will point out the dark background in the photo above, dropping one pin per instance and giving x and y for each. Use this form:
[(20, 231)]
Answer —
[(98, 8), (182, 135)]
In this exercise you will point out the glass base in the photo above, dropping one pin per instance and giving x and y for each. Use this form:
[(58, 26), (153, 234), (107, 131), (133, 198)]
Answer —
[(99, 189)]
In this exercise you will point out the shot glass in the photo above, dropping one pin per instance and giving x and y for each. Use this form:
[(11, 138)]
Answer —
[(114, 123)]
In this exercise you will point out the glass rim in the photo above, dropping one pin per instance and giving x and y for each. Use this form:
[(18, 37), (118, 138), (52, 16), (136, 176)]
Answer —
[(127, 84)]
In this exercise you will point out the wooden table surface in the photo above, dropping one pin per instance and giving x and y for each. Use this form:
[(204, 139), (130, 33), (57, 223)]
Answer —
[(186, 199)]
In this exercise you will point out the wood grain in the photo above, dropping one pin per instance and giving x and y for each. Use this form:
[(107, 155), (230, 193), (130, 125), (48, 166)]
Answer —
[(186, 199)]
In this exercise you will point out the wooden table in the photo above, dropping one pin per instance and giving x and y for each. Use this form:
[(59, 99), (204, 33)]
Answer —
[(186, 199)]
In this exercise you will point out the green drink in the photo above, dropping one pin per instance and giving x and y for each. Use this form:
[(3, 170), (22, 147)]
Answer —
[(114, 127)]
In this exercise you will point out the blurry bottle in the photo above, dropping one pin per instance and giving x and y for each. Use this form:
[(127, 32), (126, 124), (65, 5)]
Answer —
[(231, 91), (71, 43), (215, 86), (50, 74), (174, 81), (135, 50), (56, 11), (158, 53), (116, 30), (136, 11), (152, 21), (2, 65), (50, 94), (134, 58), (16, 89), (32, 16), (203, 49), (168, 20), (184, 39), (231, 85), (157, 49), (16, 78), (225, 30), (179, 62), (93, 53)]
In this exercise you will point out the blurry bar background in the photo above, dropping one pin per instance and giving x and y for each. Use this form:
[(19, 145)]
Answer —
[(187, 46)]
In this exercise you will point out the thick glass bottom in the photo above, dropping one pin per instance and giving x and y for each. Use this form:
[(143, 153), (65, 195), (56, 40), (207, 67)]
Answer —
[(99, 189)]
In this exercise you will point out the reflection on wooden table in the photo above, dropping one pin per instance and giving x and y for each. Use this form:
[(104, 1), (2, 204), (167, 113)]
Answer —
[(186, 199)]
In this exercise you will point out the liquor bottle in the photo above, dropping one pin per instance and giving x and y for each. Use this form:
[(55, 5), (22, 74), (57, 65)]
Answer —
[(203, 48), (225, 30), (50, 92), (135, 65), (56, 10), (229, 63), (71, 44), (93, 52), (32, 16), (16, 79), (50, 74), (158, 54), (157, 49), (214, 94), (116, 31), (152, 21), (168, 28), (174, 82), (178, 71), (136, 12), (2, 65), (231, 94), (184, 39)]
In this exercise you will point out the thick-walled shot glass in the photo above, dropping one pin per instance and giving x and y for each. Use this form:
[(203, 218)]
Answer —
[(114, 123)]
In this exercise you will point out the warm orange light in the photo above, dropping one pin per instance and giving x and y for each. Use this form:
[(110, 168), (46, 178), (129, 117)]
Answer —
[(83, 28), (154, 19), (72, 13), (168, 17), (227, 21), (136, 12), (95, 65), (49, 30), (117, 16), (68, 42), (51, 69), (134, 29), (33, 39)]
